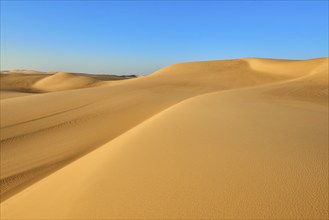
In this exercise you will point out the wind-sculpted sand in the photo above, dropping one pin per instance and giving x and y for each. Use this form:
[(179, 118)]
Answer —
[(234, 139)]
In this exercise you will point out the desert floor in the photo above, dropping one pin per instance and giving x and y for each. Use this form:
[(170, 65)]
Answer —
[(231, 139)]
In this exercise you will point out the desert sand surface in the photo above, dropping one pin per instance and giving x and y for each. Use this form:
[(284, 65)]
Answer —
[(227, 139)]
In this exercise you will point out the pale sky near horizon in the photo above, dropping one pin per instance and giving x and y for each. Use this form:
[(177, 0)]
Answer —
[(140, 37)]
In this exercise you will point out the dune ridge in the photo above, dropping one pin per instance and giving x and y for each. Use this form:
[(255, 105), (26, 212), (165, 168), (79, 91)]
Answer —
[(171, 138)]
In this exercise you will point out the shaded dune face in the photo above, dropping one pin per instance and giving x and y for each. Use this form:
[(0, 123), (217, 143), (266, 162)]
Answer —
[(228, 139), (18, 82)]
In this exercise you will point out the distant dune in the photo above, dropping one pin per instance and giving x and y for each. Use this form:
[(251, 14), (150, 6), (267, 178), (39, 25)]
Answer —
[(228, 139), (64, 81), (20, 82), (23, 72)]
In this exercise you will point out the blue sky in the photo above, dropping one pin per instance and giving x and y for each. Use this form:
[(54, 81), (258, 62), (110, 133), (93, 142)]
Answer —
[(139, 37)]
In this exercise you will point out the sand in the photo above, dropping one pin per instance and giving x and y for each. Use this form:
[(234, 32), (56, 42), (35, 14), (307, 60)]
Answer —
[(28, 81), (234, 139)]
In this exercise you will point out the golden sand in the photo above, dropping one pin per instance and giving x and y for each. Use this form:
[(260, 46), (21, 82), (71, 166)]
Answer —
[(234, 139)]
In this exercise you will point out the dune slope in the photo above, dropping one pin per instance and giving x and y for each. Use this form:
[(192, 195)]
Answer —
[(224, 139)]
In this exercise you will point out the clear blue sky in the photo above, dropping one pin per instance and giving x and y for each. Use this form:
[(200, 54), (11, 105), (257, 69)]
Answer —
[(139, 37)]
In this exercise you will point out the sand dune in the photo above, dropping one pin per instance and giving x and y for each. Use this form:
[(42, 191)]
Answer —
[(19, 82), (29, 82), (229, 139), (64, 81)]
